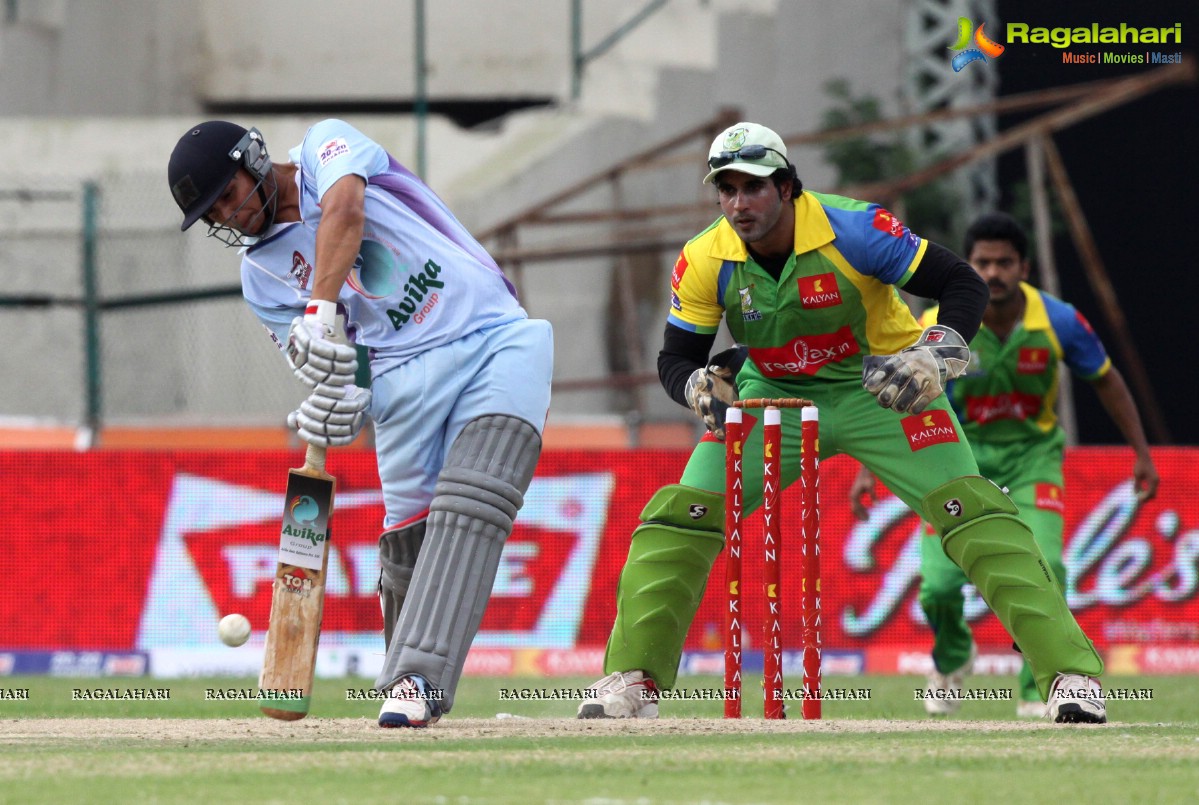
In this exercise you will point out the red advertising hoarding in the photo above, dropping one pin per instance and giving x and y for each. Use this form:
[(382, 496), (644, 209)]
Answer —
[(144, 551)]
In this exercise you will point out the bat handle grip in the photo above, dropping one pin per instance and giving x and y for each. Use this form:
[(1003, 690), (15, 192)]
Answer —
[(315, 457)]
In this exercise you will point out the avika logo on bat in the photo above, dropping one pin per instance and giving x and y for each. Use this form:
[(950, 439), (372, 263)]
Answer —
[(308, 534), (304, 511), (985, 47)]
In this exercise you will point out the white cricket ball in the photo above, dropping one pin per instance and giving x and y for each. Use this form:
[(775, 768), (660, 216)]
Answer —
[(234, 629)]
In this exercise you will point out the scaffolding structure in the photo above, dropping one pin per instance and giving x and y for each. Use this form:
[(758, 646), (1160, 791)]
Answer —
[(621, 231)]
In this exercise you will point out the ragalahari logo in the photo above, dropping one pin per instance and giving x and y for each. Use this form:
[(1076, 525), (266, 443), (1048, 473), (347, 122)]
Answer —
[(986, 47)]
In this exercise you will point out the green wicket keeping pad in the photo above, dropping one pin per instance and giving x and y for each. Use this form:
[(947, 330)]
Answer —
[(981, 533)]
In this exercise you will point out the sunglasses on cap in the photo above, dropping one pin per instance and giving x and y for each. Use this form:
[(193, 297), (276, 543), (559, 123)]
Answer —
[(744, 153)]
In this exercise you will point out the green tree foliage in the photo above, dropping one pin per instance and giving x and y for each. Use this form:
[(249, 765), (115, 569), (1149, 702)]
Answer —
[(929, 209)]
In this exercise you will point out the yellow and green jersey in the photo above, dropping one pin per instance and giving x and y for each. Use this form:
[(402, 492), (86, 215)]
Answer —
[(1010, 387), (834, 302)]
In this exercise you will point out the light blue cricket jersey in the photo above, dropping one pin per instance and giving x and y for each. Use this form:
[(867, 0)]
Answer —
[(420, 280)]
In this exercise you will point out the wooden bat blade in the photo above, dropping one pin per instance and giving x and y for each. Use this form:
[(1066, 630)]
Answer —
[(298, 598)]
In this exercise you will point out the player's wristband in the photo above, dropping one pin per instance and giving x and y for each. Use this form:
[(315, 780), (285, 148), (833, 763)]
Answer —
[(324, 311)]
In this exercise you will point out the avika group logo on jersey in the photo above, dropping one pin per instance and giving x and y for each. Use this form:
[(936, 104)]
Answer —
[(984, 47)]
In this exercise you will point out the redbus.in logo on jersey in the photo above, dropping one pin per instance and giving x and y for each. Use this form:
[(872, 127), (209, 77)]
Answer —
[(806, 354), (989, 408), (985, 47)]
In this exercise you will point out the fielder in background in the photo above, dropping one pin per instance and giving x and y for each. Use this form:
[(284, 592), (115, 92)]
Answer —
[(460, 376), (807, 283), (1005, 402)]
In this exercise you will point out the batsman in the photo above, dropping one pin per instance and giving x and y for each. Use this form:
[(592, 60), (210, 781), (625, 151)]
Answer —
[(459, 374), (807, 286)]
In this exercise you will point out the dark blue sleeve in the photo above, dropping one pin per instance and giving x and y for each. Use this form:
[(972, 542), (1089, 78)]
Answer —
[(1082, 350)]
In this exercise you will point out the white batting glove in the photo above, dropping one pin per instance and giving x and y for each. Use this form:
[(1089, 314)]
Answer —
[(332, 416), (710, 392), (319, 355), (908, 381)]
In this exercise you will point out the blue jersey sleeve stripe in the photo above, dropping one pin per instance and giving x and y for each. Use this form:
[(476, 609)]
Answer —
[(911, 269), (844, 224), (871, 251), (688, 326), (1082, 350), (1107, 366), (723, 277)]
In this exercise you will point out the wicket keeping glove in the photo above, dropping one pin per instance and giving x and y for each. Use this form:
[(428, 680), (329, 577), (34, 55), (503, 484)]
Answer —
[(332, 416), (317, 356), (712, 389), (908, 381)]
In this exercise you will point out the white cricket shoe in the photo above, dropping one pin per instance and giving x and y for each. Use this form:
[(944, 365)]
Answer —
[(1031, 709), (942, 695), (1077, 699), (410, 703), (631, 694)]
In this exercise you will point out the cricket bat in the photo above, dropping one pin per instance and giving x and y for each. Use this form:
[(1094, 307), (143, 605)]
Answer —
[(298, 598)]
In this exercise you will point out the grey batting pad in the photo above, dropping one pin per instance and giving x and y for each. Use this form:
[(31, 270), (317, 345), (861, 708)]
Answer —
[(398, 549), (479, 491)]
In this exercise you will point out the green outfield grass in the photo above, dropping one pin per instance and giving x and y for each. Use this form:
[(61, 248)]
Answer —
[(189, 749)]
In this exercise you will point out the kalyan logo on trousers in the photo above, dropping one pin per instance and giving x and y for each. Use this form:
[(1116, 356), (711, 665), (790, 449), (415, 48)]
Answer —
[(819, 291), (929, 428), (1050, 498), (806, 355)]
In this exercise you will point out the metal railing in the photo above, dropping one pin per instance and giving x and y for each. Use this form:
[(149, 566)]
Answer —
[(624, 227), (580, 57)]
